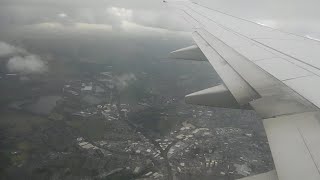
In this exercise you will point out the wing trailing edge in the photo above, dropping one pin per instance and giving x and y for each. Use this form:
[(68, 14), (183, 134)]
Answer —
[(295, 145), (239, 88)]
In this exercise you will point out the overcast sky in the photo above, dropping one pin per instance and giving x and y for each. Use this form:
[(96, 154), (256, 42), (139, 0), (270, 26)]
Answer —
[(82, 15), (143, 17), (97, 30)]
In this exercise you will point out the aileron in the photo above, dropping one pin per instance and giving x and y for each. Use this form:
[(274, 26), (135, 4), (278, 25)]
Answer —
[(295, 145)]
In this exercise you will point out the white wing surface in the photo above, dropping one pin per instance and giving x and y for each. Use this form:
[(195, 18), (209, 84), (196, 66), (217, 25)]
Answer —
[(276, 73)]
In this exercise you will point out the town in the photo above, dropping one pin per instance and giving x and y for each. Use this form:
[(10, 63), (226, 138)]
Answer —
[(96, 134)]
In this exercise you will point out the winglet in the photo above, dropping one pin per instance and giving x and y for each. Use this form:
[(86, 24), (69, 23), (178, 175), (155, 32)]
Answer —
[(217, 96), (189, 53)]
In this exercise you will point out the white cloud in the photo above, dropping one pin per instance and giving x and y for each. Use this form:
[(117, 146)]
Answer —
[(7, 49), (70, 28), (117, 16), (131, 27), (124, 80), (20, 60), (121, 13), (62, 15), (87, 26), (30, 64)]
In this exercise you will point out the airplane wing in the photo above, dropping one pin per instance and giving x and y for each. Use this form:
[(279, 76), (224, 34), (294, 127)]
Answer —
[(274, 72)]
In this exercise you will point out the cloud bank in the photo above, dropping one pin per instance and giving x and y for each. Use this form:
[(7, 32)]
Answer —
[(123, 81), (7, 49), (21, 61), (30, 64)]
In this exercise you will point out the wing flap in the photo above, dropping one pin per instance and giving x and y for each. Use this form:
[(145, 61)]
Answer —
[(308, 86), (274, 98), (295, 145), (238, 87)]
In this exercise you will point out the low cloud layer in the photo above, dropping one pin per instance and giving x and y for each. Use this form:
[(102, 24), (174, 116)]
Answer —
[(299, 17), (95, 31), (123, 81), (30, 64), (21, 61), (7, 49)]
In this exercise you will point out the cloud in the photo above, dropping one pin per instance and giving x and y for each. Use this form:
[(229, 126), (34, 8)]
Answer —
[(121, 82), (71, 28), (62, 15), (98, 30), (18, 14), (131, 27), (7, 49), (122, 13), (21, 61), (30, 64), (116, 16)]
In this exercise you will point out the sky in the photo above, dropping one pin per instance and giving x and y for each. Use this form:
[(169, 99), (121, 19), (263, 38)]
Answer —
[(100, 14), (96, 31), (125, 30)]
